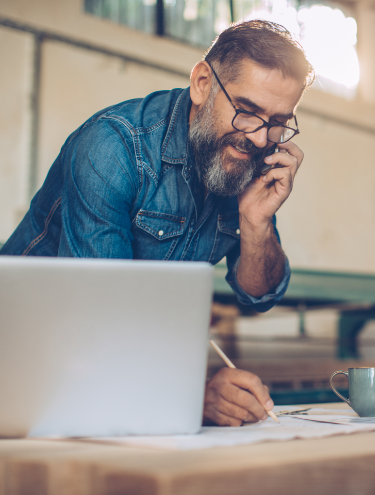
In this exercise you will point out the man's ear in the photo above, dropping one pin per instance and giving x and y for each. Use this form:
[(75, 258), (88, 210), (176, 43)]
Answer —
[(200, 83)]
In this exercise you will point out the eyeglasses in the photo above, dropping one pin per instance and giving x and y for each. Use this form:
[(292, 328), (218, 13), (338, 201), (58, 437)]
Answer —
[(249, 122)]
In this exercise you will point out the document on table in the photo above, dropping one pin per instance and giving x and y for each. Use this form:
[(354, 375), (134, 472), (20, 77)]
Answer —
[(338, 417), (317, 423)]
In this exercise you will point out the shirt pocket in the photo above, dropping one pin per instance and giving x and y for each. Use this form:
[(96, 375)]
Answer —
[(156, 234), (227, 236)]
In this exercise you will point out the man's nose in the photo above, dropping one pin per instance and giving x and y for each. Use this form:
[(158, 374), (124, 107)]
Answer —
[(259, 138)]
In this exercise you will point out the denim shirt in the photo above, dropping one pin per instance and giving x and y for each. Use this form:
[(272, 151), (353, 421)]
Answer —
[(125, 186)]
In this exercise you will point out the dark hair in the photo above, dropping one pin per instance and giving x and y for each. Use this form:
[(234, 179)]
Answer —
[(266, 43)]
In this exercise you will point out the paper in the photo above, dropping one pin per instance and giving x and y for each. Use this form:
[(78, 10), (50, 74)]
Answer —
[(319, 423), (335, 416)]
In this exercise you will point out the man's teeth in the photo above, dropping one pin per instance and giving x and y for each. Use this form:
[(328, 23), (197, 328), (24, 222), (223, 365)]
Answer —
[(239, 150)]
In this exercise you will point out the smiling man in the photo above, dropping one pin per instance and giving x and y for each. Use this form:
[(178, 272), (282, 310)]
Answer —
[(188, 175)]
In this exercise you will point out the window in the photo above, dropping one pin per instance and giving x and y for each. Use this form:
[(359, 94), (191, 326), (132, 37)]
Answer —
[(196, 21), (133, 13), (328, 36)]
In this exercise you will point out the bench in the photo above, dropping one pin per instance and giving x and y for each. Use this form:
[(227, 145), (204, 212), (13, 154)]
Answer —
[(352, 293)]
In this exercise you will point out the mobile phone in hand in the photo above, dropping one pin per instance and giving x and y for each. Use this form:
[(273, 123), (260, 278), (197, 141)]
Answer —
[(261, 167)]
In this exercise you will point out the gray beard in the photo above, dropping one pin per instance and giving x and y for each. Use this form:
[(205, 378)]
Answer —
[(210, 154)]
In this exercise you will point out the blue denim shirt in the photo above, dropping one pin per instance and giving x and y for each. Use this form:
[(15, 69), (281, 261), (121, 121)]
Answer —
[(125, 186)]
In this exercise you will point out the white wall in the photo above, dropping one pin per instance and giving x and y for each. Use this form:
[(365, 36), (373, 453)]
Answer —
[(15, 86), (68, 18), (76, 83), (365, 13), (328, 222)]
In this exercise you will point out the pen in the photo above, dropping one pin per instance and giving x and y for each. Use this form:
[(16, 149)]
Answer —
[(229, 363)]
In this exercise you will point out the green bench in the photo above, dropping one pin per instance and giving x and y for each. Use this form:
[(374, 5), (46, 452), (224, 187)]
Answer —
[(339, 289)]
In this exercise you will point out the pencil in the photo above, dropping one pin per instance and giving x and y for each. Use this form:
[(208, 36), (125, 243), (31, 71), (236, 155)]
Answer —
[(229, 363)]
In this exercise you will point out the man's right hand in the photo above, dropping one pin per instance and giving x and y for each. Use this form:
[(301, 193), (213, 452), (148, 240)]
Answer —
[(233, 396)]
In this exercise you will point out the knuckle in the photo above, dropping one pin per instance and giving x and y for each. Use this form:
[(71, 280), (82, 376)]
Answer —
[(222, 404), (255, 381), (216, 417), (234, 422), (219, 378), (224, 390), (251, 418), (211, 390), (242, 414), (224, 373), (251, 403), (223, 420)]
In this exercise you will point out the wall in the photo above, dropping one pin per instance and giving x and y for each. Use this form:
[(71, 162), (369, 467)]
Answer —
[(68, 18), (14, 125), (99, 81), (328, 222), (74, 84), (365, 14)]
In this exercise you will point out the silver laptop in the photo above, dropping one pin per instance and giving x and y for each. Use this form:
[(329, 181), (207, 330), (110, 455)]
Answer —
[(102, 347)]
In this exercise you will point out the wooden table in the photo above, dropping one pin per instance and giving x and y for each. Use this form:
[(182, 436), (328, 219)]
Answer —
[(341, 464)]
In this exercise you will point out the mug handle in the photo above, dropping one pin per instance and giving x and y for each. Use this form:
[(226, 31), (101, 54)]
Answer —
[(333, 388)]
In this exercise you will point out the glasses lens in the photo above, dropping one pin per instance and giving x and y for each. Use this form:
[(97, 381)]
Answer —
[(280, 134), (247, 123)]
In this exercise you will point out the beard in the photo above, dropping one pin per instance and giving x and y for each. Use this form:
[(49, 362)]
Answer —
[(220, 172)]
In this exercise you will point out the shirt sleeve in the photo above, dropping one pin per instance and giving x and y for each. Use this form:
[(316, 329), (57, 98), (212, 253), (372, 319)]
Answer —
[(100, 186), (267, 301)]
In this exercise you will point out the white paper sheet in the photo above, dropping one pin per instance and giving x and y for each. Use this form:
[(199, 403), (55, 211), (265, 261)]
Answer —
[(335, 417), (290, 427)]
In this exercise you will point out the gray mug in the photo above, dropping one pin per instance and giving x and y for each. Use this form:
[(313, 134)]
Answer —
[(361, 390)]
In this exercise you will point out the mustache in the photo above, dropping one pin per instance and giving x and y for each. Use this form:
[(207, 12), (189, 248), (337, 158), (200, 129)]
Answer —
[(244, 144), (240, 142)]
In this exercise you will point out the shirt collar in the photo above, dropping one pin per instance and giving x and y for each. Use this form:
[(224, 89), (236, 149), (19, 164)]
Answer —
[(174, 148)]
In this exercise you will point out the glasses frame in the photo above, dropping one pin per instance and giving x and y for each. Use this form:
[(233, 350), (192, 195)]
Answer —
[(265, 123)]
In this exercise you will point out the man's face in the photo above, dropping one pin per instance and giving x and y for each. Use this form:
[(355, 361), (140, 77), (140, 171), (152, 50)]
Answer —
[(227, 158)]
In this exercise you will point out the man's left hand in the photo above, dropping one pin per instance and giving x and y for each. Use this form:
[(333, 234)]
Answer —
[(262, 260), (264, 196)]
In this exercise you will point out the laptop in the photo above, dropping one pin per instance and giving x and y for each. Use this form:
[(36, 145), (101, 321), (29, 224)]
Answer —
[(93, 347)]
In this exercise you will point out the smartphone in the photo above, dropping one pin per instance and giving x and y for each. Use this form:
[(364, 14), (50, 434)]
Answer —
[(261, 167)]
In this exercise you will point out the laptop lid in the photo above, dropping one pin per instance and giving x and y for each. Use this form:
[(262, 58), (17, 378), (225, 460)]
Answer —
[(92, 347)]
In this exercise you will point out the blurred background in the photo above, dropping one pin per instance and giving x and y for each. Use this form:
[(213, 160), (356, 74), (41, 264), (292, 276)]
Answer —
[(61, 61)]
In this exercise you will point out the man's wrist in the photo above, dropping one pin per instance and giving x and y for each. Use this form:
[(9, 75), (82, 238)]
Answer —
[(255, 230)]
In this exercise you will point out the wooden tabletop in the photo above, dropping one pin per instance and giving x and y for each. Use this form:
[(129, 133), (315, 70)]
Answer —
[(341, 464)]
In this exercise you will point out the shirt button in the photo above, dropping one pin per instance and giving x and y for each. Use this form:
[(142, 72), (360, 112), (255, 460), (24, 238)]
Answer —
[(238, 231), (161, 232)]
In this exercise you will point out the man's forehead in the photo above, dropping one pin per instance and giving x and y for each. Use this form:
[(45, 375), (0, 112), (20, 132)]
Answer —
[(264, 90)]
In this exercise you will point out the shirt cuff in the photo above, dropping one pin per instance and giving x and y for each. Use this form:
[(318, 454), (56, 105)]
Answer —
[(266, 302)]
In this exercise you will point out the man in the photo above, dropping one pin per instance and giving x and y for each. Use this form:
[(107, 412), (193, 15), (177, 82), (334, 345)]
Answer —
[(178, 176)]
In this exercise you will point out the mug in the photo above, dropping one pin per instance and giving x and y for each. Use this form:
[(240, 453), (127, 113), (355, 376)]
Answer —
[(361, 390)]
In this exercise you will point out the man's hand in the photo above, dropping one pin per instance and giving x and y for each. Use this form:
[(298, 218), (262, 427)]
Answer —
[(262, 260), (233, 396), (265, 195)]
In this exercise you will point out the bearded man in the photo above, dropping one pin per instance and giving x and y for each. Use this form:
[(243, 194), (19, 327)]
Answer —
[(188, 175)]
